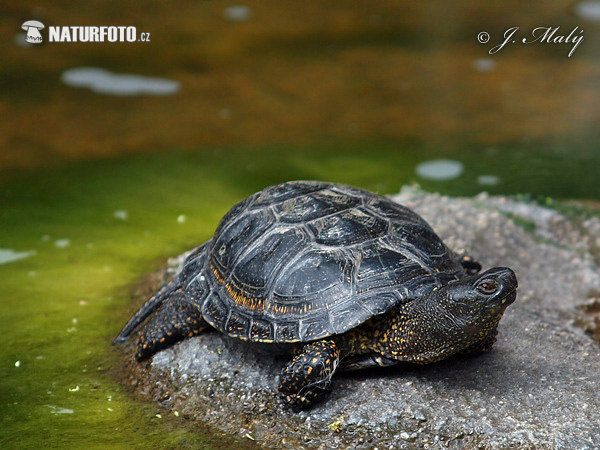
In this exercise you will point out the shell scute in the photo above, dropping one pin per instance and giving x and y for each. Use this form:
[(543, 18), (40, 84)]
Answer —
[(390, 210), (316, 205), (261, 330), (215, 312), (381, 303), (315, 327), (422, 242), (286, 332), (234, 239), (256, 269), (377, 260), (237, 325), (281, 192), (350, 227), (315, 272), (347, 316)]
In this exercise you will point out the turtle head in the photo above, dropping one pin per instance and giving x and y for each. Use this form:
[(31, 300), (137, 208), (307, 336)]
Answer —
[(451, 318), (470, 309), (482, 295)]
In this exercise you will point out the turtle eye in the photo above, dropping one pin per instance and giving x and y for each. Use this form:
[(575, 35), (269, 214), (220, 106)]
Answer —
[(488, 287)]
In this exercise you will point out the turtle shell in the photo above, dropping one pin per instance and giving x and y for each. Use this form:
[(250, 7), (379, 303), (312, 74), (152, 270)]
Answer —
[(304, 260)]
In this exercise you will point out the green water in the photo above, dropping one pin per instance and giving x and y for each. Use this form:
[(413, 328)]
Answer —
[(63, 305)]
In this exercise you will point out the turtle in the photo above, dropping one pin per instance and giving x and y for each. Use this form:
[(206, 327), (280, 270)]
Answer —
[(342, 278)]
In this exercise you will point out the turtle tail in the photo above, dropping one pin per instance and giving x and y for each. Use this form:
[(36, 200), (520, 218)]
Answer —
[(147, 308)]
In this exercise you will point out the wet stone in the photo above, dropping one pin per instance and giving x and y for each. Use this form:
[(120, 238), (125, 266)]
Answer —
[(537, 388)]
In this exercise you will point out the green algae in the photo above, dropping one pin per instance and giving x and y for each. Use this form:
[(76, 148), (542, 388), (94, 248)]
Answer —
[(96, 227)]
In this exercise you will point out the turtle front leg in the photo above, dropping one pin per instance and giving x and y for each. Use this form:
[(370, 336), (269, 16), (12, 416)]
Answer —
[(470, 264), (175, 320), (306, 379)]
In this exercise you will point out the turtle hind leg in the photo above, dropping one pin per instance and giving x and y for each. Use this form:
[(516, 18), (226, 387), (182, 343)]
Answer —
[(175, 320), (192, 267), (306, 379), (147, 308)]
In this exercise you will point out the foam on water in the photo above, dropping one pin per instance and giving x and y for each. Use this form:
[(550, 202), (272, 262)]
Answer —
[(588, 10), (121, 214), (8, 255), (59, 410), (103, 81), (488, 180), (62, 243), (484, 64), (440, 169), (237, 13)]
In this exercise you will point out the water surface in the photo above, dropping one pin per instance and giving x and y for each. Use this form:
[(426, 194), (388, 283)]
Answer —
[(98, 190)]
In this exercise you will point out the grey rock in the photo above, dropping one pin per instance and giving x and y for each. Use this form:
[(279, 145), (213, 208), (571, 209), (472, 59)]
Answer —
[(539, 387)]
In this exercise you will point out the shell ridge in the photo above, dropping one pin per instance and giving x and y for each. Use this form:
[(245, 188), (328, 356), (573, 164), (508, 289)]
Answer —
[(276, 202)]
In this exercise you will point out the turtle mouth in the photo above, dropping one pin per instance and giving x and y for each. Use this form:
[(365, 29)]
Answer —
[(509, 298)]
